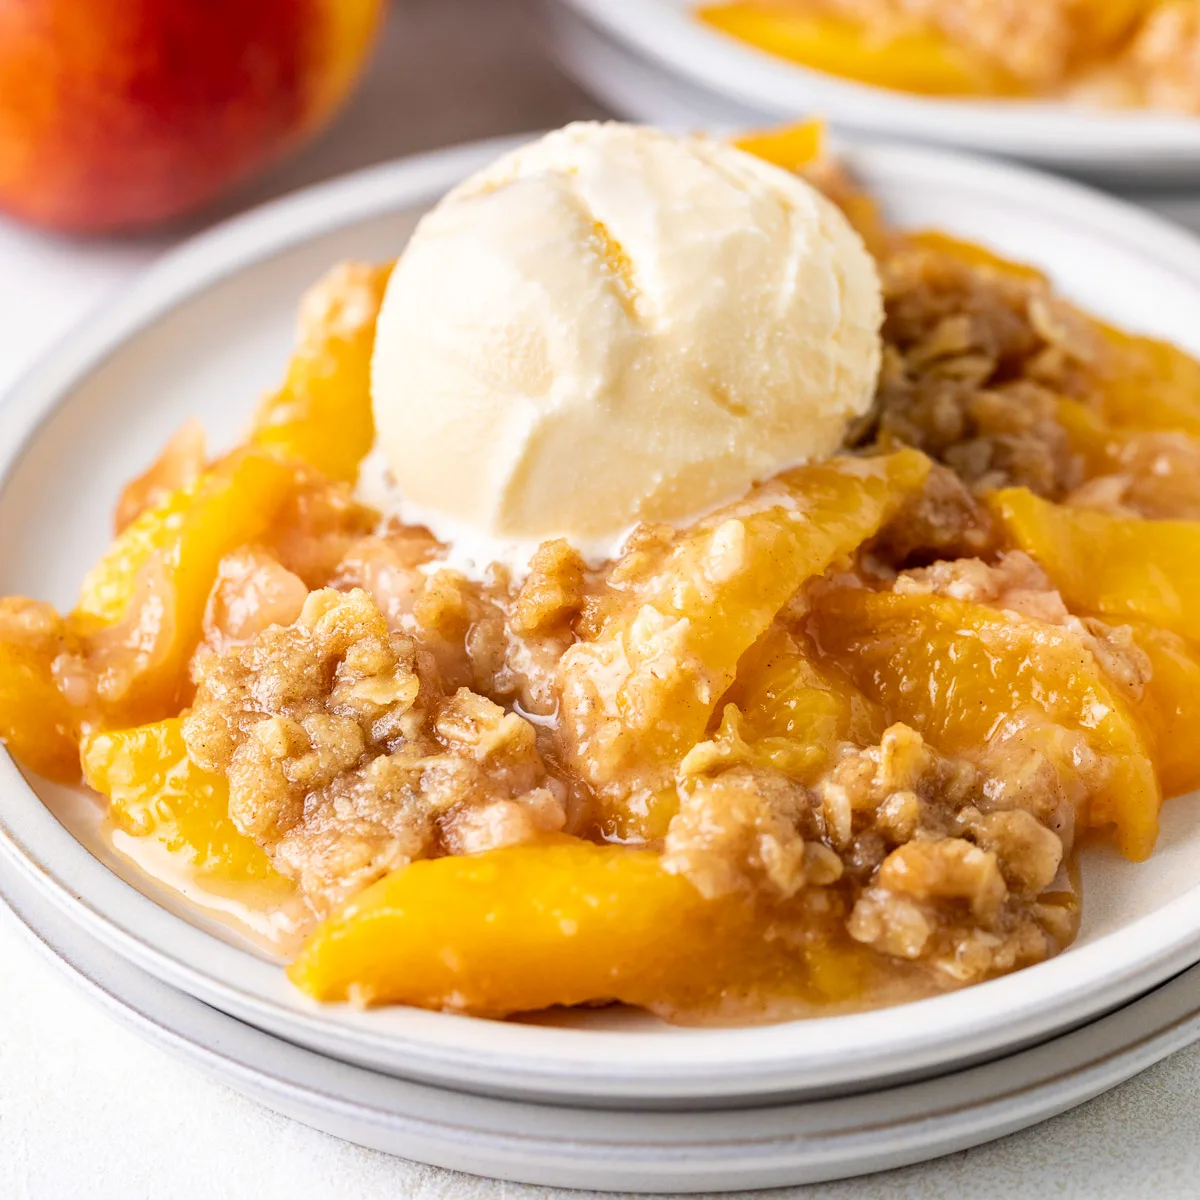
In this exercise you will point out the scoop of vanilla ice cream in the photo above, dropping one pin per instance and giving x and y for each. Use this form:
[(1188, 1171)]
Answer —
[(614, 325)]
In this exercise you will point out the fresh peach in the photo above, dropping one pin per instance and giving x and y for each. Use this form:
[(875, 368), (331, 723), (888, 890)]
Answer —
[(116, 113)]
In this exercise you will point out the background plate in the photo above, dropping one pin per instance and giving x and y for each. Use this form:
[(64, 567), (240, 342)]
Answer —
[(208, 329), (654, 59)]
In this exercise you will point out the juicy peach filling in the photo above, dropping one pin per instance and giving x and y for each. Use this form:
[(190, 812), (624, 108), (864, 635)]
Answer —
[(835, 745)]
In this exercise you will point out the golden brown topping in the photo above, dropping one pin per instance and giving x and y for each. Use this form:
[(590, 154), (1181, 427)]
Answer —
[(974, 359), (899, 788), (344, 760), (745, 829), (1028, 854), (944, 520), (552, 595), (946, 869), (892, 924)]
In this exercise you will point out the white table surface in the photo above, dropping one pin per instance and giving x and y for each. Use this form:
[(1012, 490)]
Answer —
[(87, 1110)]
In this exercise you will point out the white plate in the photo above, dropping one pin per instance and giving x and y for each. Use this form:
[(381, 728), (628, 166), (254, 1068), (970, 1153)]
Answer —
[(726, 79), (208, 328), (620, 1151)]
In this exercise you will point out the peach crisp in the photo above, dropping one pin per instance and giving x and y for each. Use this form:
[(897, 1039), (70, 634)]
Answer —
[(834, 745)]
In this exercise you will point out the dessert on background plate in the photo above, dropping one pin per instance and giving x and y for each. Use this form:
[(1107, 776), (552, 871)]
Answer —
[(1106, 53), (668, 584)]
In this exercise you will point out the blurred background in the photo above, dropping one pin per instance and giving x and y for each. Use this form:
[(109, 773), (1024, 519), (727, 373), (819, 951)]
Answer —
[(440, 72)]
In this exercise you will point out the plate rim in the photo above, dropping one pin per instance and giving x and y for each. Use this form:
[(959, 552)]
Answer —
[(33, 840), (344, 1100)]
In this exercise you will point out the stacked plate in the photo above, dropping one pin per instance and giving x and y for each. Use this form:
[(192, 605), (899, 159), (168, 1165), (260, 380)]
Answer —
[(605, 1099), (654, 61)]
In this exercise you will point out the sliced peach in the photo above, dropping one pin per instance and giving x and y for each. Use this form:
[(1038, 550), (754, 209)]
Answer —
[(507, 931), (141, 607), (1145, 383), (1170, 706), (1091, 436), (788, 146), (916, 60), (974, 255), (564, 922), (37, 724), (639, 694), (156, 791), (322, 414), (1119, 566), (1107, 21), (790, 711), (955, 670), (1151, 473)]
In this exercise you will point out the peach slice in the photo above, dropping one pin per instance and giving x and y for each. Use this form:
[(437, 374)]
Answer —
[(788, 146), (1120, 567), (1151, 473), (1146, 383), (322, 414), (916, 60), (180, 464), (1090, 435), (142, 606), (788, 710), (510, 930), (1170, 706), (37, 724), (155, 790), (974, 255), (563, 922), (638, 695)]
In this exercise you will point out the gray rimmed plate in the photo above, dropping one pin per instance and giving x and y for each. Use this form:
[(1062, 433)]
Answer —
[(614, 1150)]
